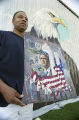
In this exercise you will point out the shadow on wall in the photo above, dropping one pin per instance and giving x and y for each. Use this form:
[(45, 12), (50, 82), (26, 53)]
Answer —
[(73, 71)]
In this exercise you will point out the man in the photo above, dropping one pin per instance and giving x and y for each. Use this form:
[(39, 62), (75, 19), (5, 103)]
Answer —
[(12, 61), (43, 70), (45, 63)]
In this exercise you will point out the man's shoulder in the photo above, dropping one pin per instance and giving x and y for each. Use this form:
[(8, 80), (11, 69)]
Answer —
[(2, 32), (40, 70), (4, 35)]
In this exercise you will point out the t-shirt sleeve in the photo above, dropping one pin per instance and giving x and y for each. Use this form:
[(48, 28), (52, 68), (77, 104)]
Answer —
[(2, 48), (2, 52), (1, 44)]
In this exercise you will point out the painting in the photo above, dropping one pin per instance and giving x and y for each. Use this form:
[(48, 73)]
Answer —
[(46, 74)]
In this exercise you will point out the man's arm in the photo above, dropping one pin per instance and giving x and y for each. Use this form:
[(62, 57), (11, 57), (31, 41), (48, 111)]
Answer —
[(10, 94)]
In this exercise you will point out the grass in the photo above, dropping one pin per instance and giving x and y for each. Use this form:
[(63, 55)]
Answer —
[(68, 112)]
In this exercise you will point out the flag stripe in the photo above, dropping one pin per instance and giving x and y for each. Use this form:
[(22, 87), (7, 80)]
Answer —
[(53, 82)]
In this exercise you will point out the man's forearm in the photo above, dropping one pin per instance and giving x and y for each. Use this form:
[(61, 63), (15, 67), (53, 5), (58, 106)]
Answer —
[(2, 86), (10, 94)]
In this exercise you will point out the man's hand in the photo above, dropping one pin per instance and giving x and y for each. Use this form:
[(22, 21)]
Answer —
[(10, 94)]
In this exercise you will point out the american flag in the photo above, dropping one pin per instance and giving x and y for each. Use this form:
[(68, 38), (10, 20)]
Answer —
[(55, 82)]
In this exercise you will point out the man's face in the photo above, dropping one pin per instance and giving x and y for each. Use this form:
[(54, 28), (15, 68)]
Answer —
[(20, 22), (44, 61)]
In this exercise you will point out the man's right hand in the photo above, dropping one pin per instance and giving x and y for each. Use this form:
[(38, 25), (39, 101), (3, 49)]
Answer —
[(10, 94)]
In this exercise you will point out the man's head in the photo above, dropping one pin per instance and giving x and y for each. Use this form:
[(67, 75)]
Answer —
[(44, 59), (20, 21)]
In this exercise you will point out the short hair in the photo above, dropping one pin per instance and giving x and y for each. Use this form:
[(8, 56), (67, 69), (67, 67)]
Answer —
[(44, 53), (16, 13)]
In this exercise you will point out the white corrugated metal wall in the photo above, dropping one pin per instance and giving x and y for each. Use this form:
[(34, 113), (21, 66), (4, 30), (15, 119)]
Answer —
[(8, 7)]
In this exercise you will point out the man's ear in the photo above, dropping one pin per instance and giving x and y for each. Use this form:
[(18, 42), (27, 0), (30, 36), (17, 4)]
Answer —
[(13, 21)]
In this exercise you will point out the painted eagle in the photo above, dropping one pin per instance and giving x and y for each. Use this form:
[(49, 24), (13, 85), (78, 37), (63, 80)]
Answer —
[(45, 23)]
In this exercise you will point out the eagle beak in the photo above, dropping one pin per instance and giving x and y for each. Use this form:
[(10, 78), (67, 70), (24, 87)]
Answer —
[(58, 20)]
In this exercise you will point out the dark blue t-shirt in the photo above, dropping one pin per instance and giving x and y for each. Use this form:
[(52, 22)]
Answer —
[(11, 61)]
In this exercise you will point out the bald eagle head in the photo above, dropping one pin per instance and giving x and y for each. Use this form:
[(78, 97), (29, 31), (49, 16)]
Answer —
[(45, 24)]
